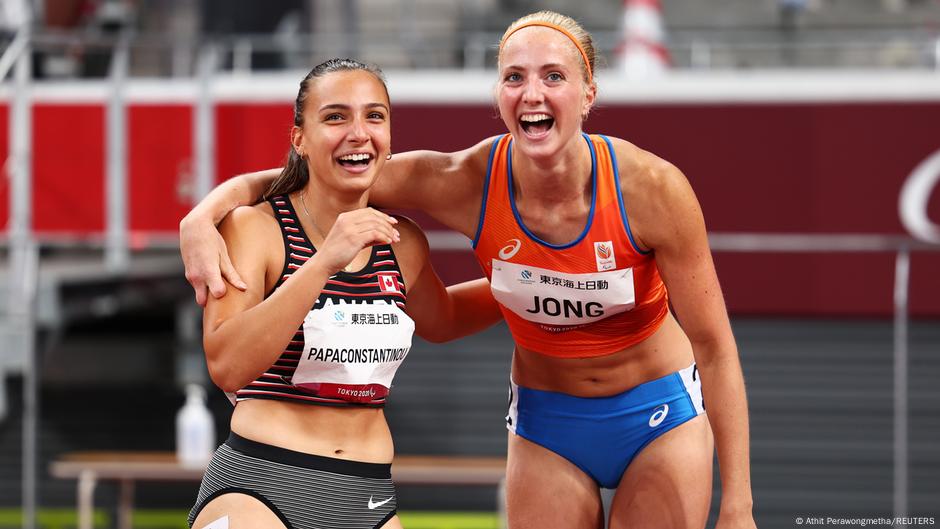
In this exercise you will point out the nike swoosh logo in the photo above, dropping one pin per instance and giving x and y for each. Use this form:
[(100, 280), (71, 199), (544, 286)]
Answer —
[(379, 504)]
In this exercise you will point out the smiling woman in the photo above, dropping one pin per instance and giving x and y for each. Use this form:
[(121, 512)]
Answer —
[(590, 243), (309, 348)]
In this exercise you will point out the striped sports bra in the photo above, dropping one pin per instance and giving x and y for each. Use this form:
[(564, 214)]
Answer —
[(350, 344)]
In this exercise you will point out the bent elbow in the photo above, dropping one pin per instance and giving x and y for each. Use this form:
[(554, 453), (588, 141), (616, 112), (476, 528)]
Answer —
[(436, 338), (223, 377), (437, 334), (221, 372)]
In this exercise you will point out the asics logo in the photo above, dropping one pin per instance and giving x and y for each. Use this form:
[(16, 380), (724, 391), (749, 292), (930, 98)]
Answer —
[(373, 505), (506, 252), (659, 415)]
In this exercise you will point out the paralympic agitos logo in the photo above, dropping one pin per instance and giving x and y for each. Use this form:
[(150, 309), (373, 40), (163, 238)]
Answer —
[(915, 197)]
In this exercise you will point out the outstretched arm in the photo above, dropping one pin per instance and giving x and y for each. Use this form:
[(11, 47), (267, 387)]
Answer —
[(448, 186), (205, 255), (684, 259), (442, 313)]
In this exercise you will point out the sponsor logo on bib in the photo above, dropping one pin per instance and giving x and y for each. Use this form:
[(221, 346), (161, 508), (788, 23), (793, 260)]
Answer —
[(560, 299), (352, 350)]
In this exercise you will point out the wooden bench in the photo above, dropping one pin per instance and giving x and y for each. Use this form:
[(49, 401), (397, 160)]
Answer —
[(127, 468)]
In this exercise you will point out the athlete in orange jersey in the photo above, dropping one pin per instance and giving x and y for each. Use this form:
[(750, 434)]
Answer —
[(590, 406), (601, 290)]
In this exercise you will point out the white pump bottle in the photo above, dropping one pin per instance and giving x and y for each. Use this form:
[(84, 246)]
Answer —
[(195, 430)]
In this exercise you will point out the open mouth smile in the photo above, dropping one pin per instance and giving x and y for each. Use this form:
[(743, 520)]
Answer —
[(536, 125), (355, 162)]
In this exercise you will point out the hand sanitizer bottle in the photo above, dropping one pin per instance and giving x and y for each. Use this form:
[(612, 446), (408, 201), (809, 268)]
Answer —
[(195, 430)]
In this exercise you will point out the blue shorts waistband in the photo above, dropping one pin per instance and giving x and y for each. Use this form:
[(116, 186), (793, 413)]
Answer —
[(662, 388)]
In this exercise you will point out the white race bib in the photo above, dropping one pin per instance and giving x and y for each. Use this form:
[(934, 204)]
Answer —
[(351, 350), (556, 298)]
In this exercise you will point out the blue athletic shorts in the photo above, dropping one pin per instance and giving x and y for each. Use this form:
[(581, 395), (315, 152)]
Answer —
[(602, 435)]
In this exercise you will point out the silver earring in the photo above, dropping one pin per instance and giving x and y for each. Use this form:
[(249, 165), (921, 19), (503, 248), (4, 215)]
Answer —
[(389, 157)]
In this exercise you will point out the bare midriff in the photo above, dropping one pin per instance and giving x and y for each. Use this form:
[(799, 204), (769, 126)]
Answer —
[(353, 433), (668, 350)]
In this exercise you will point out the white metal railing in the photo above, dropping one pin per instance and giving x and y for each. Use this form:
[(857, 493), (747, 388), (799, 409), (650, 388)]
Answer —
[(726, 49), (23, 258)]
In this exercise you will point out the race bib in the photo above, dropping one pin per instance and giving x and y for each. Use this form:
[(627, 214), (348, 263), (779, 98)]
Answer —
[(352, 351), (556, 298)]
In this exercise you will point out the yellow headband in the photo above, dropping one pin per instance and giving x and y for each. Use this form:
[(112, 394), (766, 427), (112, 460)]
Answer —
[(556, 27)]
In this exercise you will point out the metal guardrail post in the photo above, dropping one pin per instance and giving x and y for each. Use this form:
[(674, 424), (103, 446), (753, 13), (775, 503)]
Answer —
[(117, 253), (700, 55), (23, 266), (29, 265), (204, 123), (902, 271), (936, 54), (241, 56)]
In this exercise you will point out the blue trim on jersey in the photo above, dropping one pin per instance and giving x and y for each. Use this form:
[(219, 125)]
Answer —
[(602, 435), (590, 221), (623, 211), (486, 190)]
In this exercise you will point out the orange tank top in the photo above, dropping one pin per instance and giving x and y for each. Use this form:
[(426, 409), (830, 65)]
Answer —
[(593, 296)]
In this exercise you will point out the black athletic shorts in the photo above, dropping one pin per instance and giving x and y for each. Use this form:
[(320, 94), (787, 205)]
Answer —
[(305, 491)]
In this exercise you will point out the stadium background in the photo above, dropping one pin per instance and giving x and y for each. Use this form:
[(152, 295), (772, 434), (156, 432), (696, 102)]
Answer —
[(800, 145)]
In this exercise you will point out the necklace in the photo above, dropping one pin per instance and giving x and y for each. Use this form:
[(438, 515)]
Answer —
[(303, 203)]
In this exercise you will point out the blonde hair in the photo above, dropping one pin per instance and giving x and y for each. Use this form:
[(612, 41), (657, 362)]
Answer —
[(565, 25)]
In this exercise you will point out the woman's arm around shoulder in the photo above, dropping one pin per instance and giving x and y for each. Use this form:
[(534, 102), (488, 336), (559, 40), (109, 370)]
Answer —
[(205, 257), (440, 313), (447, 186), (665, 216)]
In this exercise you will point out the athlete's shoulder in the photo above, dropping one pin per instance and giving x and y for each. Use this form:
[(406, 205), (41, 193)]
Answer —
[(412, 250), (642, 170), (409, 230), (486, 144), (249, 221), (477, 157)]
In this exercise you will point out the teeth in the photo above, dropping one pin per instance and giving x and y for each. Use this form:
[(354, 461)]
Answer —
[(357, 157), (535, 117)]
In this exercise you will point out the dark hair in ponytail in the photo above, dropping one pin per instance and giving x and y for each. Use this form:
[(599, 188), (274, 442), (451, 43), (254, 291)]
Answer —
[(294, 175)]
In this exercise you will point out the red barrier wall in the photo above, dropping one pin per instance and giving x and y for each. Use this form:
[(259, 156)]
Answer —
[(762, 167)]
